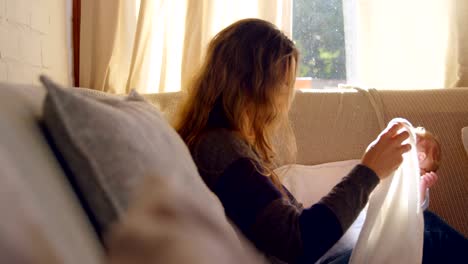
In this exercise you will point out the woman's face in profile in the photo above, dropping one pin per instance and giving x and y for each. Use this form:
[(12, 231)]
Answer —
[(286, 91)]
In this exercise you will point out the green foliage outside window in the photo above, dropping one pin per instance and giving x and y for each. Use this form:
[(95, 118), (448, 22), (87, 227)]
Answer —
[(318, 32)]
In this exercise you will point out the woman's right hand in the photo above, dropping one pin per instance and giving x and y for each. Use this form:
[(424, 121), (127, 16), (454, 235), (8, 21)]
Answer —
[(386, 154)]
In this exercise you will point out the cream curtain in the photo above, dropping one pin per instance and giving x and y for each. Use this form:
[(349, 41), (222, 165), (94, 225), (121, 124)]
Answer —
[(207, 17), (401, 44), (155, 45), (411, 44), (108, 30), (457, 52)]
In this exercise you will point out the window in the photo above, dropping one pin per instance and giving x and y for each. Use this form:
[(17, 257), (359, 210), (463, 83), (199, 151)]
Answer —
[(318, 31)]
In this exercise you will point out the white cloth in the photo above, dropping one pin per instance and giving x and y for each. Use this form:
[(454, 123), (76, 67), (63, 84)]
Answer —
[(349, 239), (393, 229)]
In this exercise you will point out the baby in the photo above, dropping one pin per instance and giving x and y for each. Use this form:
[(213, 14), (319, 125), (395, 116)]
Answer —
[(429, 155)]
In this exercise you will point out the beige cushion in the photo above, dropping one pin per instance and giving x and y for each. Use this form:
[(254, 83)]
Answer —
[(332, 126), (309, 183), (41, 216), (114, 146)]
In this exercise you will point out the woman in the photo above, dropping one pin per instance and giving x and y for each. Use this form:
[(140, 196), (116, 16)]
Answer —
[(237, 101)]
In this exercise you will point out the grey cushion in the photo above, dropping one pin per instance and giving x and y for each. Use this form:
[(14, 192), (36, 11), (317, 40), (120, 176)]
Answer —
[(111, 144)]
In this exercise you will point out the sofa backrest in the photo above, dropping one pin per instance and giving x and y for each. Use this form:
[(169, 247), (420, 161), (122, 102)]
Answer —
[(329, 126), (335, 125), (332, 126), (445, 113)]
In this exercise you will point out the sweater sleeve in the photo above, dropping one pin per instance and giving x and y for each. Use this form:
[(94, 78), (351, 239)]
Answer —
[(425, 203), (273, 223), (350, 196)]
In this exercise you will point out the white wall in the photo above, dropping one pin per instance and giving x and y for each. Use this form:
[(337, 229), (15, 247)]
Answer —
[(35, 39)]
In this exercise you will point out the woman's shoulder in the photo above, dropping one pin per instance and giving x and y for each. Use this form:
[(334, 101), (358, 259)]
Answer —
[(218, 148)]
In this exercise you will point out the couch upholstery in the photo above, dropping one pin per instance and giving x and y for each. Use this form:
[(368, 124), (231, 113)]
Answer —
[(335, 125), (329, 126), (39, 175), (338, 126)]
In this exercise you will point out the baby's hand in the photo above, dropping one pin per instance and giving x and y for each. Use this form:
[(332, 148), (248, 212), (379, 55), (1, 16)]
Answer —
[(428, 180)]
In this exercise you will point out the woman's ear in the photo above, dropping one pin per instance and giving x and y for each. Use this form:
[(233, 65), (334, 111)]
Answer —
[(421, 156)]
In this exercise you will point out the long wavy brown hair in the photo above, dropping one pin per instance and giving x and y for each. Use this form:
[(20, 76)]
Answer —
[(246, 84)]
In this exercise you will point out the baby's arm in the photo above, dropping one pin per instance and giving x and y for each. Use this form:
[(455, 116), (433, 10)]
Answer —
[(424, 198), (427, 180)]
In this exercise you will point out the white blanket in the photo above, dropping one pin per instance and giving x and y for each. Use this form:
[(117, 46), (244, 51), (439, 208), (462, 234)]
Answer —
[(393, 229)]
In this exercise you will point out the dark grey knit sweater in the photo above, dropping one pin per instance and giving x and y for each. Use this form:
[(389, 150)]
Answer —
[(276, 224)]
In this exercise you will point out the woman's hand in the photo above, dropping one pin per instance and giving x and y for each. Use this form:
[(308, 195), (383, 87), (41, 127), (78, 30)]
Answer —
[(385, 155)]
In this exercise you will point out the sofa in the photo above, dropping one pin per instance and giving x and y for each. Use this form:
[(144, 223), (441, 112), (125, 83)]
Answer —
[(330, 125)]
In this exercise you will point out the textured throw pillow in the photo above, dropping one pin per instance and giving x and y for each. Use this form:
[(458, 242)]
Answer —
[(111, 144), (309, 183), (465, 138)]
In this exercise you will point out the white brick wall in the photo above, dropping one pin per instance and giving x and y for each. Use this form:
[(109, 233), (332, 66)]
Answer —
[(35, 39)]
